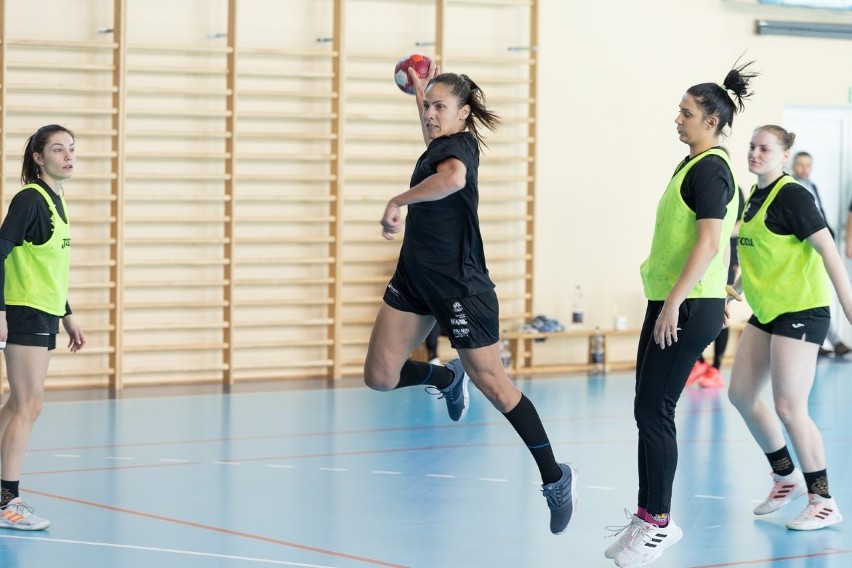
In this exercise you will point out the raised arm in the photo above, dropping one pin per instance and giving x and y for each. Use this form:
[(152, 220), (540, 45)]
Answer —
[(419, 93)]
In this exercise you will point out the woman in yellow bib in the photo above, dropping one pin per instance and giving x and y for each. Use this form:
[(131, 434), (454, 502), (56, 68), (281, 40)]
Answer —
[(787, 256), (684, 279), (35, 249)]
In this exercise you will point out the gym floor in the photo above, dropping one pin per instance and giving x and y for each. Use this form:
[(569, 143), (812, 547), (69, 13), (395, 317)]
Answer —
[(346, 477)]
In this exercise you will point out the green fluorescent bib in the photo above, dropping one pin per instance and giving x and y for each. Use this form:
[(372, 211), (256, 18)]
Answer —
[(37, 275), (675, 235), (781, 274)]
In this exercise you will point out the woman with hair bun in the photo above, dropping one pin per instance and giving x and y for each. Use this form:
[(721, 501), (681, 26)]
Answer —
[(684, 279), (788, 257), (441, 276)]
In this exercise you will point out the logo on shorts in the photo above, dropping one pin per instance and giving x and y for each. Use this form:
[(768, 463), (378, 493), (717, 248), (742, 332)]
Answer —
[(392, 289), (461, 332), (797, 325), (458, 321), (457, 307)]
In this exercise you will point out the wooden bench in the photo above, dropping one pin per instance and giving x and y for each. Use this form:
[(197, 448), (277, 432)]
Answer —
[(521, 347)]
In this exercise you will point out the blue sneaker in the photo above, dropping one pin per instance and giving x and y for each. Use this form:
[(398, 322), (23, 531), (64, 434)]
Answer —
[(456, 394), (562, 498)]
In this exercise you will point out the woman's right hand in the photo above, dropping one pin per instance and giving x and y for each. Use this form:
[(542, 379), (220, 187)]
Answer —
[(420, 84), (391, 220)]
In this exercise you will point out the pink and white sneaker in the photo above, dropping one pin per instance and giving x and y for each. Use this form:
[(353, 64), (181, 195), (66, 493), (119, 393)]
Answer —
[(785, 489), (820, 512)]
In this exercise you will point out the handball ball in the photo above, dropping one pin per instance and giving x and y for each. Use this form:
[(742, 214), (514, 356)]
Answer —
[(400, 73)]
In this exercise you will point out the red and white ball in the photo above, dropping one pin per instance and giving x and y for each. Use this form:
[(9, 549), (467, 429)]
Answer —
[(419, 62)]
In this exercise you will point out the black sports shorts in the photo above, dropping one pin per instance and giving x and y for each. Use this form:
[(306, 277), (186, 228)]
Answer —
[(810, 325), (469, 322), (29, 326)]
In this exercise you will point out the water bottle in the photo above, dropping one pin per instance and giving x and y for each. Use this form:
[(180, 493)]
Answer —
[(577, 312), (506, 355), (596, 352)]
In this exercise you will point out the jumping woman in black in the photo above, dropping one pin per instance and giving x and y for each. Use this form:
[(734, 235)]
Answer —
[(441, 276), (684, 279)]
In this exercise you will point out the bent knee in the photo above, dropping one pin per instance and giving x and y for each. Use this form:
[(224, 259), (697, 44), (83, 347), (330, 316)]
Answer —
[(742, 399), (379, 379)]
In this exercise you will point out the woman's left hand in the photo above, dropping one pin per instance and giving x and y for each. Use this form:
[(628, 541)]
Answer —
[(76, 339), (665, 328)]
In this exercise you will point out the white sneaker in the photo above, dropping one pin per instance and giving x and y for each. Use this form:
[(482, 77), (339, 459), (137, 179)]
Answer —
[(646, 543), (17, 515), (624, 534), (786, 488), (435, 361), (818, 514)]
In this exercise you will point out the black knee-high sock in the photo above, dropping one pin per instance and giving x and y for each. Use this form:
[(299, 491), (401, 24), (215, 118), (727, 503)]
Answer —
[(719, 347), (817, 482), (781, 462), (419, 373), (524, 418), (8, 491)]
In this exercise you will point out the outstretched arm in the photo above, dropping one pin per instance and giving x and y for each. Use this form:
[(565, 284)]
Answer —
[(824, 245), (450, 178)]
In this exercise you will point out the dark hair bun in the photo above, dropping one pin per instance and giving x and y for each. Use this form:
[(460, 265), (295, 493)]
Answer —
[(735, 82)]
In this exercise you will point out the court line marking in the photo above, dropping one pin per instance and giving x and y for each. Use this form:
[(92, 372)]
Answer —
[(212, 528), (829, 552), (167, 550)]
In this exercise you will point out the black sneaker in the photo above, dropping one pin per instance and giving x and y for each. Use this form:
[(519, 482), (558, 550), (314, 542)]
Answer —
[(456, 394), (562, 498)]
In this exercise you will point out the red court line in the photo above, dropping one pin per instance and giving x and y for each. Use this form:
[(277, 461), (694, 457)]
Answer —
[(830, 552), (110, 468), (218, 529)]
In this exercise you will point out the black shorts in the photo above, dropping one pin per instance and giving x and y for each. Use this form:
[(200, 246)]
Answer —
[(29, 326), (469, 322), (810, 325)]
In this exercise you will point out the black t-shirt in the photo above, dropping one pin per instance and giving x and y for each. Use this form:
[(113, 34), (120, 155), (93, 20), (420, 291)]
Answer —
[(442, 255), (708, 187), (28, 220), (792, 212)]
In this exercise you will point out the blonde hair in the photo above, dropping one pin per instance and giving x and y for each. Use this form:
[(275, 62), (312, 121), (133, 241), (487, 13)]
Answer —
[(787, 139)]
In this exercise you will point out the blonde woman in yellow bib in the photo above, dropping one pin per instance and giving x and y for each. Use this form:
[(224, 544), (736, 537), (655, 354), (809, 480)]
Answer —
[(35, 249), (788, 260)]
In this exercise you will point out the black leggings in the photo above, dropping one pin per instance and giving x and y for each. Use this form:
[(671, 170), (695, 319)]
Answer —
[(660, 377)]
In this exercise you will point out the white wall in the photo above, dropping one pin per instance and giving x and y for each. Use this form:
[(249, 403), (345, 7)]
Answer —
[(610, 84)]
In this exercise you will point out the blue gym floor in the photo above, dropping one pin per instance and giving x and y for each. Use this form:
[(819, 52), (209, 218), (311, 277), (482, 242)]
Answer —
[(346, 477)]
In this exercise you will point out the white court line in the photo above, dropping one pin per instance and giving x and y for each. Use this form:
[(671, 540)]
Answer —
[(75, 456), (281, 466), (227, 463), (379, 471), (173, 460), (168, 550), (440, 475), (120, 458), (709, 497), (332, 469)]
